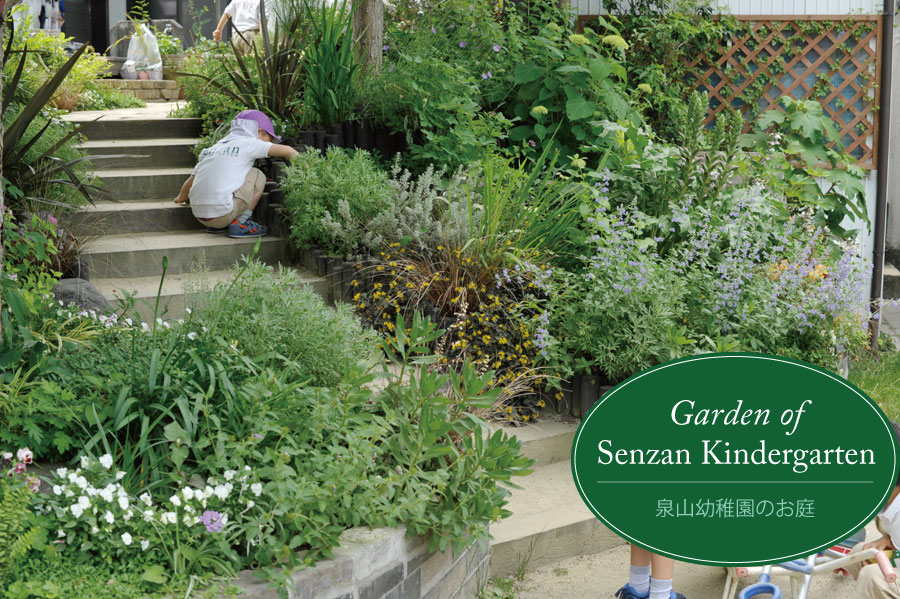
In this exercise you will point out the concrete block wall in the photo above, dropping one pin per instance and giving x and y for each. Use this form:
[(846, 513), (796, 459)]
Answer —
[(149, 91), (383, 563)]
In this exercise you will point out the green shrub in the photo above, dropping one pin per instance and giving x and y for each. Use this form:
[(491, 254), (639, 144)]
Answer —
[(267, 313), (345, 186), (107, 99)]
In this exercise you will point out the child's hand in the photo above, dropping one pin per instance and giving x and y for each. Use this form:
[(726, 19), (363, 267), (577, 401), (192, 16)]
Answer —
[(217, 36), (882, 544)]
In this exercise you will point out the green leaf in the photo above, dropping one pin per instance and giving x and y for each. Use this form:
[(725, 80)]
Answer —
[(572, 68), (809, 125), (520, 133), (578, 108), (527, 72), (768, 118), (155, 574), (540, 131)]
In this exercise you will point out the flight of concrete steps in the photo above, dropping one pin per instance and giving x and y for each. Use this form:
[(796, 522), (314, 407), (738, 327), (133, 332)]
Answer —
[(550, 522), (125, 240)]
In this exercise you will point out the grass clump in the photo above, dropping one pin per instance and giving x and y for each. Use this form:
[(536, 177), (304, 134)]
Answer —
[(273, 313)]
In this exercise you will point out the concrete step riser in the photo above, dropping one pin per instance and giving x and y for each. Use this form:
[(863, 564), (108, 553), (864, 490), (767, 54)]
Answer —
[(134, 221), (177, 156), (138, 263), (172, 306), (141, 129), (891, 287), (124, 188)]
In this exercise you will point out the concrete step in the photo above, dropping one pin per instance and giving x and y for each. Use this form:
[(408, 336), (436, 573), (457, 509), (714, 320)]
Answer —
[(136, 216), (125, 184), (547, 442), (161, 152), (137, 127), (176, 287), (550, 523), (891, 282), (140, 254)]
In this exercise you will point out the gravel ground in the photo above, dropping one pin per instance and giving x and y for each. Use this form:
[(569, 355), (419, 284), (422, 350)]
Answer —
[(598, 576)]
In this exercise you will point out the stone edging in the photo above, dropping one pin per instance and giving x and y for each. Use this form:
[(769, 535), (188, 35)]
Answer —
[(382, 563)]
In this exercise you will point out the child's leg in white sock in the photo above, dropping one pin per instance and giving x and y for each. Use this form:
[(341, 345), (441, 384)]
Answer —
[(660, 589), (639, 579)]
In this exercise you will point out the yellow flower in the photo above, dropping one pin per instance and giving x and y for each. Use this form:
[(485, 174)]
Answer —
[(645, 88), (578, 39), (616, 41), (539, 109), (541, 403)]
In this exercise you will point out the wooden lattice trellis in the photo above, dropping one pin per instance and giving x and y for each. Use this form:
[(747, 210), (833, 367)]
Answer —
[(834, 61)]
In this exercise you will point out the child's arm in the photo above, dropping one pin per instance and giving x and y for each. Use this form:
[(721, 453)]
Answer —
[(282, 151), (217, 34), (185, 189)]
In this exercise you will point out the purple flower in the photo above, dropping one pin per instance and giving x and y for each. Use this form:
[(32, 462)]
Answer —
[(432, 29), (496, 47), (532, 143), (257, 436), (385, 47), (212, 520), (486, 75), (462, 44)]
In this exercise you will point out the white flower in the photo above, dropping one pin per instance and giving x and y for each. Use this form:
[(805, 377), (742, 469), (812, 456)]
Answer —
[(81, 482), (107, 494), (84, 502), (123, 502), (76, 510), (145, 544), (223, 491), (188, 310), (145, 327), (57, 490), (224, 519), (246, 467), (189, 520), (208, 492), (25, 455), (85, 461), (128, 514), (188, 509), (168, 518), (126, 538), (188, 493), (145, 497), (192, 335), (148, 515), (108, 516), (250, 503), (94, 530), (106, 461), (229, 474), (72, 477), (69, 493), (61, 534), (176, 501), (257, 489), (7, 456), (120, 475), (62, 472)]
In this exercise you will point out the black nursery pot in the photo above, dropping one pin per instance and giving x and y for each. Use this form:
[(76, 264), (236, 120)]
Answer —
[(319, 142), (349, 137), (308, 138), (365, 136), (590, 392)]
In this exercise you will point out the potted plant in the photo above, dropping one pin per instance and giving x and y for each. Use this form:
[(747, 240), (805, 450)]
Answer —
[(172, 53)]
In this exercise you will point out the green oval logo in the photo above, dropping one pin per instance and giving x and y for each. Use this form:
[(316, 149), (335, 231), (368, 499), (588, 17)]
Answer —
[(728, 459)]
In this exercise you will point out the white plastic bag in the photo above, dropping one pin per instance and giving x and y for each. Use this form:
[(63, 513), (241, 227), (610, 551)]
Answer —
[(143, 52)]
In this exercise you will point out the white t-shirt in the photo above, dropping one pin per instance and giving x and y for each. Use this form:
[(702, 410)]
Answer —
[(245, 14), (889, 520), (222, 168)]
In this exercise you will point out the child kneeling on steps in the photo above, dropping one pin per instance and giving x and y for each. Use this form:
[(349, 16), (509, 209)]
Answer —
[(225, 187)]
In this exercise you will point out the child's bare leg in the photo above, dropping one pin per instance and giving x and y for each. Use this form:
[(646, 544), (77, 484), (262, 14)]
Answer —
[(255, 200), (661, 566), (640, 556)]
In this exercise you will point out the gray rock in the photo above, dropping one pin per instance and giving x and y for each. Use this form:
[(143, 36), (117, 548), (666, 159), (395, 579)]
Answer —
[(82, 293)]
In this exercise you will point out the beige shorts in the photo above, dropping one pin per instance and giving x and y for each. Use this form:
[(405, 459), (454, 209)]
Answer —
[(243, 45), (253, 184)]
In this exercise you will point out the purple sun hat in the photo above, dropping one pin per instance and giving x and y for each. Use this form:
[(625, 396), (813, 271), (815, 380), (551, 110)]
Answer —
[(260, 118)]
